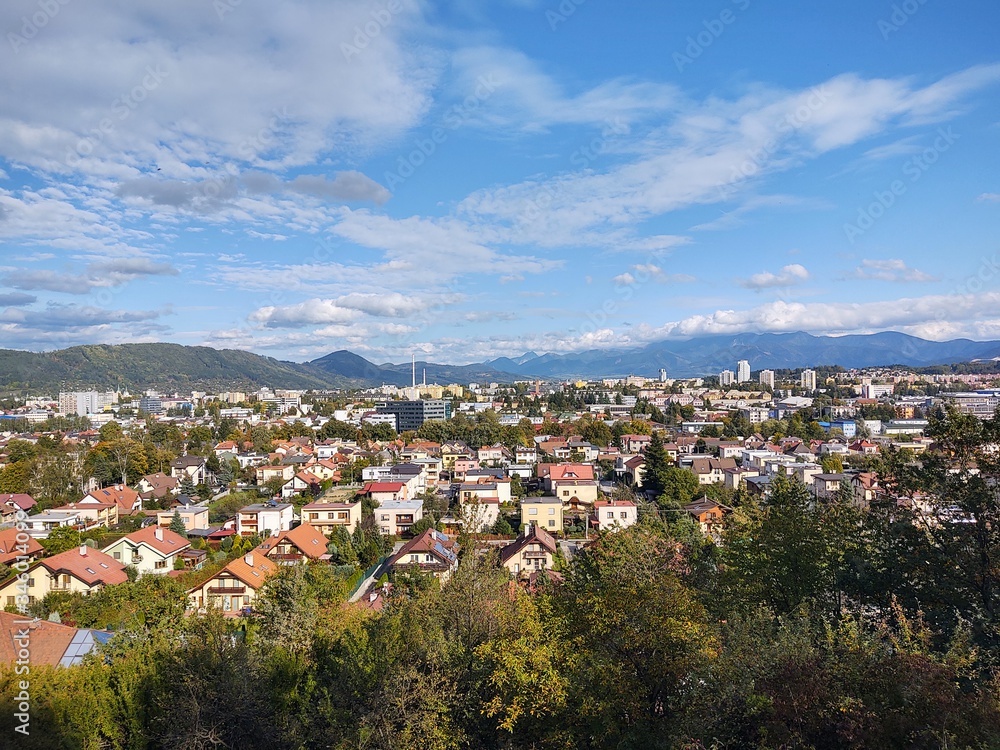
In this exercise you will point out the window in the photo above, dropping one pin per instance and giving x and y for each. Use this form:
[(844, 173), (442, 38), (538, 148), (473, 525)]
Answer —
[(118, 555), (160, 564), (611, 514), (31, 582), (565, 493), (551, 523), (10, 601), (385, 517), (533, 512), (552, 511)]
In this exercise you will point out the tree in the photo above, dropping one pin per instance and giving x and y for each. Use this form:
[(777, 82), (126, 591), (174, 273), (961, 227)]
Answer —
[(177, 524), (832, 463), (657, 463), (502, 526), (60, 539)]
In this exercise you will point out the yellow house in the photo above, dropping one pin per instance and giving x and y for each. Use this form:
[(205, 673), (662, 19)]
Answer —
[(79, 570), (328, 516), (533, 550), (544, 512), (236, 585)]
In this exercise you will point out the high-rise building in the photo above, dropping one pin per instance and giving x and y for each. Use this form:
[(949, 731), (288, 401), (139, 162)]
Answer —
[(726, 377), (743, 371), (766, 377), (808, 380), (663, 375), (85, 402), (410, 415)]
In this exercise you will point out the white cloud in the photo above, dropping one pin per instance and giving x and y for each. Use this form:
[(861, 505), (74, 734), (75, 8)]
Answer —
[(989, 198), (789, 275), (892, 269)]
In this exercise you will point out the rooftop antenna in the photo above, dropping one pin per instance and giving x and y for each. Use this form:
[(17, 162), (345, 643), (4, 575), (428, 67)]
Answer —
[(425, 377), (413, 359)]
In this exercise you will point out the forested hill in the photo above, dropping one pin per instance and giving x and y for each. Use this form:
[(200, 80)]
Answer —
[(167, 366)]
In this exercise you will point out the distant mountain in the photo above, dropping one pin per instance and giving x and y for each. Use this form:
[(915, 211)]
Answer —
[(171, 367), (704, 355), (348, 365)]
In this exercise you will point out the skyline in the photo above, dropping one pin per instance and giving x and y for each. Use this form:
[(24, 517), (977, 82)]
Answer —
[(462, 183)]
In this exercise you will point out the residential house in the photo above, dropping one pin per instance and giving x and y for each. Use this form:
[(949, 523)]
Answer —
[(412, 475), (533, 550), (864, 447), (733, 478), (574, 484), (635, 443), (328, 516), (544, 512), (193, 517), (611, 515), (191, 467), (235, 586), (127, 499), (226, 450), (709, 514), (826, 486), (12, 504), (157, 486), (523, 455), (283, 472), (49, 644), (462, 466), (40, 524), (303, 483), (264, 518), (395, 517), (92, 514), (382, 492), (79, 570), (453, 450), (708, 470), (18, 546), (629, 469), (152, 550), (304, 543), (429, 552)]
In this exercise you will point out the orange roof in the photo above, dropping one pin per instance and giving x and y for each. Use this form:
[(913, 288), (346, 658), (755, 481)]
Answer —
[(252, 568), (91, 566), (124, 497), (11, 548), (382, 487), (47, 641), (309, 540)]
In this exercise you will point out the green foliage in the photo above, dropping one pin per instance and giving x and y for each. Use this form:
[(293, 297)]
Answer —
[(177, 524), (61, 539)]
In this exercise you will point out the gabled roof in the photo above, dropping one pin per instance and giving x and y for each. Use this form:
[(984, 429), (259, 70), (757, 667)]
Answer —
[(170, 543), (252, 568), (124, 497), (535, 536), (182, 462), (433, 542), (91, 566), (704, 504), (18, 500), (560, 472), (11, 547), (309, 540), (52, 644)]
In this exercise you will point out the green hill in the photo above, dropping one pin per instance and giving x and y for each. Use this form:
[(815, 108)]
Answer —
[(166, 366)]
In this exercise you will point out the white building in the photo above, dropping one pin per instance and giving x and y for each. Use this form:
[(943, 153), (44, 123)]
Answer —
[(610, 515), (743, 371), (264, 518), (86, 402), (808, 380), (396, 516), (726, 378), (766, 377)]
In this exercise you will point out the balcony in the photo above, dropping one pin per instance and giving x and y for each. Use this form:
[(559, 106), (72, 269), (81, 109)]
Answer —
[(227, 590), (535, 555)]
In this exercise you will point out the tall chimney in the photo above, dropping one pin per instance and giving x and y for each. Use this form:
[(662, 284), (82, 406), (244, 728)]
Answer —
[(83, 550), (248, 559), (158, 533), (413, 360)]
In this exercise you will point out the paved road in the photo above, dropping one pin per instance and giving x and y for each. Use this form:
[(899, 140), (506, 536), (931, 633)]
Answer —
[(366, 584)]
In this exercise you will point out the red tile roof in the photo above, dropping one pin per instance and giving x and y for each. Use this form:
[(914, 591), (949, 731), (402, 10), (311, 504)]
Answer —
[(11, 548)]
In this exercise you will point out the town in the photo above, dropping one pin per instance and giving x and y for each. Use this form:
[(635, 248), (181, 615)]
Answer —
[(217, 504)]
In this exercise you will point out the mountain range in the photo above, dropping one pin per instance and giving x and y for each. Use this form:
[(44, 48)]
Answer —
[(174, 367)]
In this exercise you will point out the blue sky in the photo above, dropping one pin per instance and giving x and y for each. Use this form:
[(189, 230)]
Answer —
[(468, 180)]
